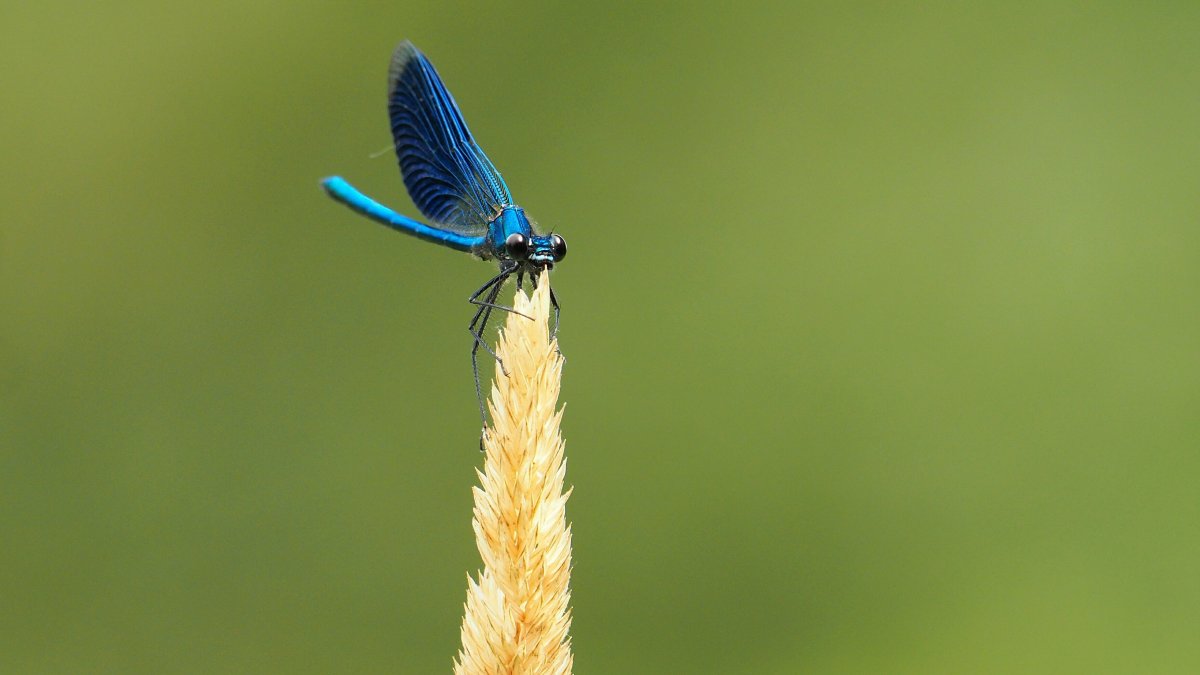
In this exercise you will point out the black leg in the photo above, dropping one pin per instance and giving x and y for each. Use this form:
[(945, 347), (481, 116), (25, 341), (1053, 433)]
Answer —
[(480, 320), (554, 304), (487, 312), (485, 306), (505, 272), (494, 280), (494, 284)]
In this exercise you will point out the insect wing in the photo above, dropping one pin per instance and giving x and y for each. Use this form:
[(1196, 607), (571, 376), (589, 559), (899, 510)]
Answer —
[(447, 174)]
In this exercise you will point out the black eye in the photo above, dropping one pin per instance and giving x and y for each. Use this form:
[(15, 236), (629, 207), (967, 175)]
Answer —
[(558, 247), (517, 246)]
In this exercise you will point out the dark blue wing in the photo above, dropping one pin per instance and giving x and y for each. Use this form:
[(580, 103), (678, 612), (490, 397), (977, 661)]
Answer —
[(447, 175)]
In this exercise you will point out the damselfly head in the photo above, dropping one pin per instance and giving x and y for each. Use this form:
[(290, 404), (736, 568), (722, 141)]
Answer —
[(545, 250), (537, 250)]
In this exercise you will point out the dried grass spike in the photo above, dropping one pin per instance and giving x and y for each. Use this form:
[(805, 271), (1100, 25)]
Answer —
[(517, 616)]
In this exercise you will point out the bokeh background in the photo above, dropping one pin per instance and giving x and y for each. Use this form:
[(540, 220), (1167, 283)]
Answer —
[(881, 327)]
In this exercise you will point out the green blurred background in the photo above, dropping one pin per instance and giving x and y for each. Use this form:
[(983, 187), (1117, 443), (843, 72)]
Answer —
[(881, 326)]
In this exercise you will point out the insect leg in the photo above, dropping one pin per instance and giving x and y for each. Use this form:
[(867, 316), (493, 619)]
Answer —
[(480, 320)]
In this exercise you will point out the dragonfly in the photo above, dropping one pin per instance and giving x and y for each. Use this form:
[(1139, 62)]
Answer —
[(458, 189)]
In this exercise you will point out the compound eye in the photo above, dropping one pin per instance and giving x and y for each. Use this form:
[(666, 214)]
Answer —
[(517, 246), (558, 247)]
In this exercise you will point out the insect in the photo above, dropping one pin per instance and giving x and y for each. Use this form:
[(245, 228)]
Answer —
[(455, 185)]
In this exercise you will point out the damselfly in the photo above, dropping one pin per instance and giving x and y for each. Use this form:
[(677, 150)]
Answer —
[(457, 188)]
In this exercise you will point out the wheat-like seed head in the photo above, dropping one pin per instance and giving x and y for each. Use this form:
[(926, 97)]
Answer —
[(517, 615)]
